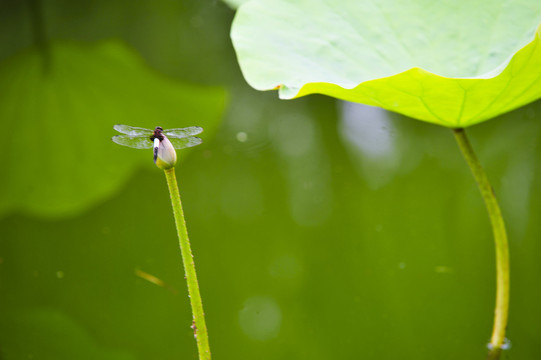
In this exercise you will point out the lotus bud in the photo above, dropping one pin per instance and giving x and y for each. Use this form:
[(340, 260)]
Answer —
[(165, 156)]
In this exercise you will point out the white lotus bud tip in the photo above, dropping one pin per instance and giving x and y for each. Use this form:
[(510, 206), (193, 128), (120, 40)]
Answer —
[(165, 156)]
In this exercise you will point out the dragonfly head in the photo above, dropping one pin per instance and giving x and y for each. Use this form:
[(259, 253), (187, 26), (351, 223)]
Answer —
[(158, 134)]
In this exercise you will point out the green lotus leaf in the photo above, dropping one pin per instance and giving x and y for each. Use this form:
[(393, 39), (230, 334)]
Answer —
[(451, 63), (234, 4), (56, 155)]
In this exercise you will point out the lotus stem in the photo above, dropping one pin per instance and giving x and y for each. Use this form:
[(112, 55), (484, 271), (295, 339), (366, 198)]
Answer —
[(198, 325), (501, 312)]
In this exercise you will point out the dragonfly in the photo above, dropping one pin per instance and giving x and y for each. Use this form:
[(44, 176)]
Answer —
[(141, 138)]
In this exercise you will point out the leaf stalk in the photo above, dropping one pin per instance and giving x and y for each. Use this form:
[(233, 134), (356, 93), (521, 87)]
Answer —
[(501, 312)]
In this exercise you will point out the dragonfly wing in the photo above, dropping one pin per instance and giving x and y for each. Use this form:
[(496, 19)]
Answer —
[(134, 141), (183, 132), (185, 142), (133, 131)]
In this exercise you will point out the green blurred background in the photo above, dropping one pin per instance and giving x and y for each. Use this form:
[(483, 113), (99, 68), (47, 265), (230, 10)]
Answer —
[(321, 229)]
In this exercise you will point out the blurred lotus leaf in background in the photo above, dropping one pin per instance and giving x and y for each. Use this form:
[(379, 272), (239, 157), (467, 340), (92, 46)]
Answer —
[(59, 156), (450, 63), (43, 333)]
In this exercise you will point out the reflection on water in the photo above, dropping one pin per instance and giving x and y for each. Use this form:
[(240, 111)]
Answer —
[(295, 136), (260, 318), (306, 165), (368, 134), (242, 136), (368, 129), (516, 189), (442, 269), (285, 267), (242, 196), (505, 346)]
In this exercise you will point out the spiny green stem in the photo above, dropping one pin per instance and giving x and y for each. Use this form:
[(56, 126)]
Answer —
[(199, 326), (500, 239)]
